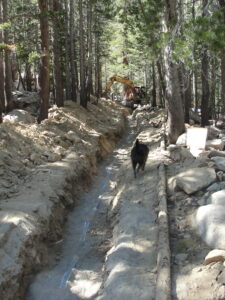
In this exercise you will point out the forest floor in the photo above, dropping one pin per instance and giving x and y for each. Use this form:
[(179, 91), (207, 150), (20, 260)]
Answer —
[(72, 212)]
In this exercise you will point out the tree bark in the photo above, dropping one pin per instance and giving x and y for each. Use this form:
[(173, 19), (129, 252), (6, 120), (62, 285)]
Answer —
[(223, 82), (90, 52), (213, 85), (173, 92), (83, 94), (98, 89), (154, 104), (205, 77), (67, 51), (59, 96), (222, 5), (8, 70), (2, 77), (187, 98), (72, 54), (162, 83), (28, 77), (44, 63)]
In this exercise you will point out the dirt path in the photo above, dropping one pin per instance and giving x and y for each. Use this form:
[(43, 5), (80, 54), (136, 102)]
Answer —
[(109, 248)]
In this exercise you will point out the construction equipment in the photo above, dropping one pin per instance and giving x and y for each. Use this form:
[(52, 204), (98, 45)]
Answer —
[(131, 94)]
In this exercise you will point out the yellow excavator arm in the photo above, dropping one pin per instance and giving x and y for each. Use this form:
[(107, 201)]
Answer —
[(120, 79), (129, 90)]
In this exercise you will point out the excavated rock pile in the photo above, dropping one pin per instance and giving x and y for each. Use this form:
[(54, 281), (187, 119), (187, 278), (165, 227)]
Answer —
[(196, 185)]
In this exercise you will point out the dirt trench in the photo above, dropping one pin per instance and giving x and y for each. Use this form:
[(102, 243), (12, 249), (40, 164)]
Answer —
[(109, 247), (32, 219)]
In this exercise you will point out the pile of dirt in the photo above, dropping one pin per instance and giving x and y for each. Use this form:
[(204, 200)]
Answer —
[(25, 145), (44, 168)]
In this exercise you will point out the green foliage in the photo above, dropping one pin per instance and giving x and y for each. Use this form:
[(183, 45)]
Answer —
[(34, 57), (211, 31), (3, 46), (5, 25)]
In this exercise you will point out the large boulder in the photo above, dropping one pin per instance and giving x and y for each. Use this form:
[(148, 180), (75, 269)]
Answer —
[(210, 225), (195, 179)]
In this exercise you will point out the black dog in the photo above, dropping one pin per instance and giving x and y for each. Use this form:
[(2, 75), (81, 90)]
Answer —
[(139, 155)]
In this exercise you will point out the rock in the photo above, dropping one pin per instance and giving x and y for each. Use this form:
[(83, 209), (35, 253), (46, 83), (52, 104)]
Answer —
[(52, 157), (214, 153), (179, 153), (36, 158), (219, 163), (220, 124), (214, 256), (182, 140), (210, 224), (216, 187), (204, 154), (216, 144), (60, 150), (219, 175), (172, 186), (19, 115), (201, 202), (72, 137), (195, 179), (217, 198), (213, 132)]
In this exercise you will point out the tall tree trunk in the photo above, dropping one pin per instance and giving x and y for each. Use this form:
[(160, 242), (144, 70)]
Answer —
[(44, 63), (59, 96), (213, 84), (98, 89), (173, 93), (28, 77), (2, 77), (205, 88), (222, 5), (162, 83), (83, 94), (72, 54), (205, 77), (223, 82), (8, 70), (90, 52), (154, 104), (195, 73), (67, 51), (187, 98)]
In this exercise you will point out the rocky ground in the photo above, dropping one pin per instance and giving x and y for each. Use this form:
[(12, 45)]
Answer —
[(47, 171)]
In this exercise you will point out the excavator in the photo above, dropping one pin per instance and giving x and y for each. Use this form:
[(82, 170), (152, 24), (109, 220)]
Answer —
[(131, 94)]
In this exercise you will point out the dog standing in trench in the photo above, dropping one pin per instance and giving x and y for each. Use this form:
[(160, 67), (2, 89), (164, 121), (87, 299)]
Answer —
[(139, 155)]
